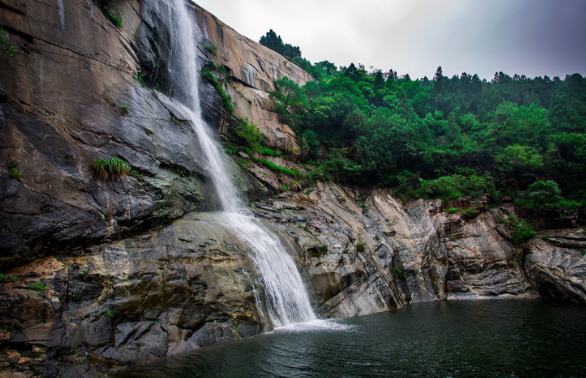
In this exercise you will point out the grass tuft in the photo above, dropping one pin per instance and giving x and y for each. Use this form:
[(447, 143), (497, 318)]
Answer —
[(110, 169)]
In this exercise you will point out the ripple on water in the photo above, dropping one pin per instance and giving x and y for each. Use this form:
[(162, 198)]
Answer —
[(463, 339)]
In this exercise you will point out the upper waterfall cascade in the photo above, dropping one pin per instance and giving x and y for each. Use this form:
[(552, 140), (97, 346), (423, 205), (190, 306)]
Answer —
[(286, 297)]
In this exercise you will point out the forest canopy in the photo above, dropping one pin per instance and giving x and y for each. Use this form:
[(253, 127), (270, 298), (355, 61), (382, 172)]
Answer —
[(453, 136)]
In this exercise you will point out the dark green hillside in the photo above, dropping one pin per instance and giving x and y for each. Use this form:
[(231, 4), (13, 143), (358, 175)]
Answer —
[(449, 137)]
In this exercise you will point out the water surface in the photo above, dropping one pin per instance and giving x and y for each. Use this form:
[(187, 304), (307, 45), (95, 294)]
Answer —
[(445, 339)]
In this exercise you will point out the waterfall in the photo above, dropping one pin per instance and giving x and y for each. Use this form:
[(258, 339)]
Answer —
[(286, 297)]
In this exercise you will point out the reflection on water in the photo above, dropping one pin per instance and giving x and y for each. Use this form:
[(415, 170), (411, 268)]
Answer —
[(483, 339)]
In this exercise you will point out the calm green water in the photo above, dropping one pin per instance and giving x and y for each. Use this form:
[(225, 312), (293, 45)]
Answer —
[(446, 339)]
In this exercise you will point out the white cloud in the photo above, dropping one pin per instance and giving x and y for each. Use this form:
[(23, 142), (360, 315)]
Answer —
[(532, 37)]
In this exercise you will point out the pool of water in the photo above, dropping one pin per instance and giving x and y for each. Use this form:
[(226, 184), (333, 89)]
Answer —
[(445, 339)]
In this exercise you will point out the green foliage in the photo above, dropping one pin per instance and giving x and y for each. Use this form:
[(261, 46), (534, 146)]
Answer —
[(41, 352), (37, 286), (274, 167), (512, 263), (9, 48), (517, 158), (452, 210), (399, 273), (13, 171), (450, 187), (212, 49), (8, 278), (138, 77), (322, 250), (113, 12), (308, 192), (468, 211), (226, 98), (110, 169), (275, 43), (109, 312), (176, 120), (249, 134), (360, 247), (379, 128), (520, 230), (124, 109), (269, 152)]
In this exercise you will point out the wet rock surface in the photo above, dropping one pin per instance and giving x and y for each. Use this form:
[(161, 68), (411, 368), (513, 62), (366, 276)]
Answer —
[(556, 265)]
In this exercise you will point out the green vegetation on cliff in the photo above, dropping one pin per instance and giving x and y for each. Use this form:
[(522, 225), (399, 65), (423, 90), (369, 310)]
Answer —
[(448, 137)]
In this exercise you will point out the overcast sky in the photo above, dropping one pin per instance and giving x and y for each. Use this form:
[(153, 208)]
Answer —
[(531, 37)]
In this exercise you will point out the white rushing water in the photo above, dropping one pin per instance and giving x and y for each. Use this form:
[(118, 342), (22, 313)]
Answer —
[(286, 297)]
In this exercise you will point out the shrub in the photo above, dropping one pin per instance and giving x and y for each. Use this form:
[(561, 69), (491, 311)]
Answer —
[(269, 152), (8, 278), (124, 109), (249, 134), (399, 273), (360, 247), (449, 187), (323, 250), (12, 171), (520, 230), (110, 169), (37, 286), (226, 98), (308, 191), (452, 210), (140, 80), (40, 352), (468, 211), (274, 167), (212, 49), (9, 48), (110, 313)]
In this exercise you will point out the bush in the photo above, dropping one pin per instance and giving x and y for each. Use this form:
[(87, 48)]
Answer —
[(226, 98), (110, 313), (212, 49), (124, 109), (450, 187), (274, 167), (520, 230), (8, 278), (323, 250), (9, 48), (360, 247), (110, 169), (269, 152), (468, 211), (399, 273), (249, 134), (37, 286), (12, 171), (452, 210)]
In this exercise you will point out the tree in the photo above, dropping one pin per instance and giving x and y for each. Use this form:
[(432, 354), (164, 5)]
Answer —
[(275, 43), (517, 159)]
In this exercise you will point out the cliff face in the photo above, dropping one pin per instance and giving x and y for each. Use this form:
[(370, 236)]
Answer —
[(114, 273)]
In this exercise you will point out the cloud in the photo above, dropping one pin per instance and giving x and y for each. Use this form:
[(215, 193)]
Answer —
[(531, 37)]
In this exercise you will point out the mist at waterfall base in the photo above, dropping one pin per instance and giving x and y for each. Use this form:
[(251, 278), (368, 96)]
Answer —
[(286, 298), (500, 338)]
